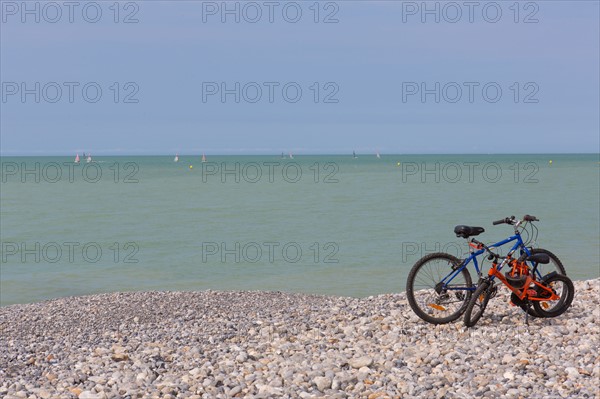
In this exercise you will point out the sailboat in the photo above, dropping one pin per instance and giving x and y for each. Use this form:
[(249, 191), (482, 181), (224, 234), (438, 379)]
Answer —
[(291, 156), (77, 159), (89, 158), (203, 158), (354, 154), (378, 156), (176, 158), (282, 155)]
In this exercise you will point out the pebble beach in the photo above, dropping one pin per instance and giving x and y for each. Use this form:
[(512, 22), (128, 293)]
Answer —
[(271, 344)]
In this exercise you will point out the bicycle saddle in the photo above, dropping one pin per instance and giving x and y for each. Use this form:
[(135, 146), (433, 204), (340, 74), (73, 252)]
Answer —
[(468, 231), (539, 258)]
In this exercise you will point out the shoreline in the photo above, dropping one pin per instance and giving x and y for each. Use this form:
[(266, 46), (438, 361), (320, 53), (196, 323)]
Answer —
[(217, 291), (222, 344)]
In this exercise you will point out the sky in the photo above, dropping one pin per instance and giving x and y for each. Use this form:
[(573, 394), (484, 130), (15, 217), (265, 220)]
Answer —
[(193, 77)]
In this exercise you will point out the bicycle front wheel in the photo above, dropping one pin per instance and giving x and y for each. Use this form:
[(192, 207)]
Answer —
[(477, 304), (432, 300)]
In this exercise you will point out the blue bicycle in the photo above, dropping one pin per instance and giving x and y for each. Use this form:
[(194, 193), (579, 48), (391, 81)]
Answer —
[(439, 286)]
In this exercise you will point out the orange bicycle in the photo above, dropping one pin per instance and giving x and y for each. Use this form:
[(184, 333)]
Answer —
[(550, 295)]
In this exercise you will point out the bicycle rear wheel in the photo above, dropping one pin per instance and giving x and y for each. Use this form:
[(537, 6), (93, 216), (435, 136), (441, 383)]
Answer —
[(555, 264), (478, 303), (543, 270), (429, 298), (564, 288)]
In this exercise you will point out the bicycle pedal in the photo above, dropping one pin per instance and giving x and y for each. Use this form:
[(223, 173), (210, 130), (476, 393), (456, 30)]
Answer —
[(493, 291)]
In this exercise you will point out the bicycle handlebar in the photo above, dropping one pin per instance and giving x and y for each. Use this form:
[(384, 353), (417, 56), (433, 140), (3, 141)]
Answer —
[(509, 220), (512, 220)]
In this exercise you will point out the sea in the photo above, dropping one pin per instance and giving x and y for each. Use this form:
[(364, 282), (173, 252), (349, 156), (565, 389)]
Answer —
[(324, 224)]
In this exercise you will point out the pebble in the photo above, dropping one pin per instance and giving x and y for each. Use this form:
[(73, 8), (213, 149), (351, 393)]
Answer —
[(91, 395), (271, 344), (322, 383), (364, 361)]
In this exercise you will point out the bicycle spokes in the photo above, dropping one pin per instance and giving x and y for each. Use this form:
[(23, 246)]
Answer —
[(553, 292), (440, 287)]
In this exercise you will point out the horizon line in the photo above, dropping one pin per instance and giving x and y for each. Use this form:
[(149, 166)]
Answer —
[(286, 154)]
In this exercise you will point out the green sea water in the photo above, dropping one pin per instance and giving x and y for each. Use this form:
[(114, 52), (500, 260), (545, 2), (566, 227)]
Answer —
[(318, 224)]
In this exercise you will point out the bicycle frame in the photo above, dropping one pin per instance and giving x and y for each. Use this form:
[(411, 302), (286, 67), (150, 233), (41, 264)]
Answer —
[(525, 292), (473, 257)]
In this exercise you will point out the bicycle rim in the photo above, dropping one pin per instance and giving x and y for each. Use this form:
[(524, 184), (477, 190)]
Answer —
[(429, 298), (477, 304)]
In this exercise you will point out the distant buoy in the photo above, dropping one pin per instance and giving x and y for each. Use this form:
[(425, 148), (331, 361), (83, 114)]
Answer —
[(191, 167), (550, 162)]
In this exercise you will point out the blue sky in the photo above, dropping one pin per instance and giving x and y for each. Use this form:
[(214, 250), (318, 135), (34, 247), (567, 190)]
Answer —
[(368, 61)]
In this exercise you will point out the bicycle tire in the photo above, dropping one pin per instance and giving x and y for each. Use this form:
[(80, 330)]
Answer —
[(435, 308), (482, 294), (565, 301), (558, 267)]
